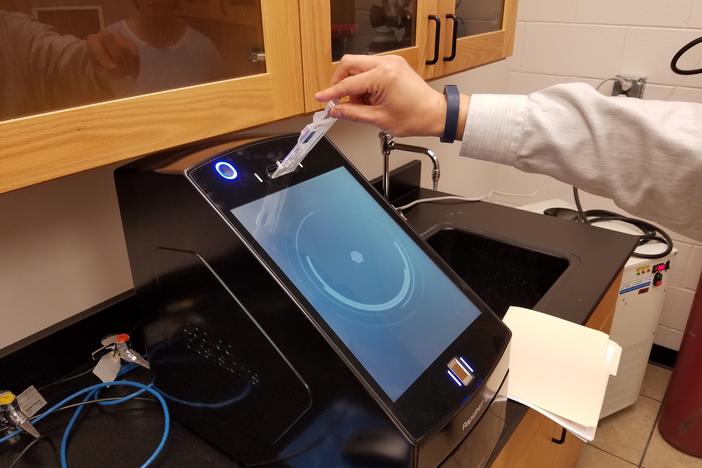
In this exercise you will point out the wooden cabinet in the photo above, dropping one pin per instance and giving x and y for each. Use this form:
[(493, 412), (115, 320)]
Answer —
[(448, 36), (242, 12), (278, 54), (326, 22), (54, 144), (540, 442), (476, 33)]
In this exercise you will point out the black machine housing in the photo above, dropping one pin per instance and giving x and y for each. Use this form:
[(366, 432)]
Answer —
[(242, 357)]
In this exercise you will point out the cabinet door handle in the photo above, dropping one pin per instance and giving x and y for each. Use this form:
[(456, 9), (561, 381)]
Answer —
[(455, 37), (562, 439), (437, 38)]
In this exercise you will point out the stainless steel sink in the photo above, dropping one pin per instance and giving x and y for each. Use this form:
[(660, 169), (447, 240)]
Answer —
[(502, 274)]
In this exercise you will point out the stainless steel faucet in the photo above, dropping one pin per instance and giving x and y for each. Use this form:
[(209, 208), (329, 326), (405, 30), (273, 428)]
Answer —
[(387, 144)]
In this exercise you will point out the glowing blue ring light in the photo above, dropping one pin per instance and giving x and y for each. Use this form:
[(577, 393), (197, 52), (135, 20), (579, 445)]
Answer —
[(226, 170), (406, 283)]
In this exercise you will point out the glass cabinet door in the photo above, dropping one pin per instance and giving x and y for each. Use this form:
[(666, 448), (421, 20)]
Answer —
[(189, 68), (477, 32), (477, 17), (372, 26), (332, 28)]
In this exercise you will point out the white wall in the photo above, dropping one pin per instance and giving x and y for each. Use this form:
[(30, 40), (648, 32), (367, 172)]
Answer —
[(61, 252), (589, 40)]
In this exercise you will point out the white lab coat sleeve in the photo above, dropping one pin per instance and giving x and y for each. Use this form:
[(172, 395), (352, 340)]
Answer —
[(55, 68), (645, 155)]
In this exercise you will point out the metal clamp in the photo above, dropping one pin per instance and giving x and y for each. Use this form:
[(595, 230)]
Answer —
[(118, 344), (11, 414)]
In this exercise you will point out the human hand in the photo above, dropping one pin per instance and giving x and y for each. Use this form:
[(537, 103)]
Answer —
[(386, 92), (113, 54)]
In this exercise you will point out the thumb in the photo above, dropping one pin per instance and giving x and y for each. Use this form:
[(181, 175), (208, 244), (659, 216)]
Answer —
[(356, 112), (356, 85)]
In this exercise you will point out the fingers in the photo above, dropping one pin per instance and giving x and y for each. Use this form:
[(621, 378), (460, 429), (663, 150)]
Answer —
[(372, 67), (114, 53), (353, 65), (357, 113), (354, 86), (383, 91)]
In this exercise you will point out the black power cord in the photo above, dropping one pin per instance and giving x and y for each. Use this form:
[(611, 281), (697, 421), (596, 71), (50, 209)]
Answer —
[(579, 206), (649, 232), (680, 53), (28, 448)]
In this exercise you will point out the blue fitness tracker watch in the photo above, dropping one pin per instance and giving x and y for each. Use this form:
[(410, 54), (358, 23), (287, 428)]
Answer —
[(453, 102)]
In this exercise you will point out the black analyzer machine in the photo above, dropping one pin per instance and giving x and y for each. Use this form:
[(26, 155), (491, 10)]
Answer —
[(299, 321)]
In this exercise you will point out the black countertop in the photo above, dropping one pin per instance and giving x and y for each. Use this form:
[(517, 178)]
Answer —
[(595, 256), (125, 435)]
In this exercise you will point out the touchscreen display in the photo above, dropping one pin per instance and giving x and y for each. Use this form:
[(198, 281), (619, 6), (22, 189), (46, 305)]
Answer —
[(387, 301)]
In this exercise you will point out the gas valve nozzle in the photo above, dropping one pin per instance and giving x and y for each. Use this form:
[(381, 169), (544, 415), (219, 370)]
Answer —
[(116, 348), (11, 414)]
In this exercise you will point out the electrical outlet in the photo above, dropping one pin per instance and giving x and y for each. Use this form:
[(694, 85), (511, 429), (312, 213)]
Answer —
[(629, 85)]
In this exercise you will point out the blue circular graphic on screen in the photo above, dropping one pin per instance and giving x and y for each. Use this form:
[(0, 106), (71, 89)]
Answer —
[(226, 170), (368, 275)]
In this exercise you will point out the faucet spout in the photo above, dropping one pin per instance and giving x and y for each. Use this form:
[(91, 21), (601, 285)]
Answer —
[(388, 144)]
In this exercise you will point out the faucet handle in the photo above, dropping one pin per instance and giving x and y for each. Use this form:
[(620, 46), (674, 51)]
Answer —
[(11, 414), (118, 349), (120, 344), (386, 142)]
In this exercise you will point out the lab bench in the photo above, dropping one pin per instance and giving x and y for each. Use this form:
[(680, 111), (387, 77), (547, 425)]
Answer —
[(584, 292)]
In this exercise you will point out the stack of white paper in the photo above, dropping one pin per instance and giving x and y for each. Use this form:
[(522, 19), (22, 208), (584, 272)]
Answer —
[(560, 369)]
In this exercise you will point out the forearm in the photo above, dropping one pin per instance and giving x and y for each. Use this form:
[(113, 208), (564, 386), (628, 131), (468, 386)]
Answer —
[(60, 67), (646, 155)]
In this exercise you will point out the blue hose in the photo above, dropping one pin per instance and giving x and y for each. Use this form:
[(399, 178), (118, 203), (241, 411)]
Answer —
[(91, 392), (125, 369)]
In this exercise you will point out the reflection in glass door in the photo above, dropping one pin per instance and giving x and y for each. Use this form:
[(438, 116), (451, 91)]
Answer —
[(372, 26), (478, 16), (58, 53)]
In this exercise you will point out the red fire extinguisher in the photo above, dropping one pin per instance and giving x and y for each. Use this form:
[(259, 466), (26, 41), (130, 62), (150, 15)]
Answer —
[(681, 416)]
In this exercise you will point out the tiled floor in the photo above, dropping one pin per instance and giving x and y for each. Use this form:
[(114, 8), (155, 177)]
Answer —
[(630, 438)]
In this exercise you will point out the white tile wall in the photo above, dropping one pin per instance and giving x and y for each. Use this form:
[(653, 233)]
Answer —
[(525, 83), (659, 92), (570, 49), (668, 338), (634, 12), (694, 269), (696, 15), (547, 10), (676, 276), (517, 53), (686, 94), (649, 51), (676, 308), (591, 40)]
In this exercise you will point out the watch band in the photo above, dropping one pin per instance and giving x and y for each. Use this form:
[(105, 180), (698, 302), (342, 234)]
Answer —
[(453, 103)]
